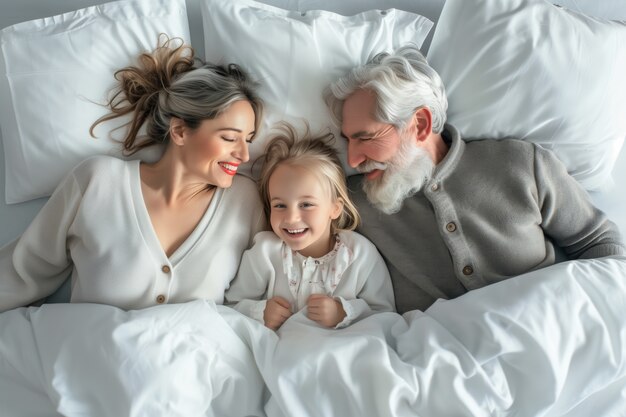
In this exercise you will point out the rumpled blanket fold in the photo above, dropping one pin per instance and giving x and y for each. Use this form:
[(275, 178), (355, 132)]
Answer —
[(548, 343)]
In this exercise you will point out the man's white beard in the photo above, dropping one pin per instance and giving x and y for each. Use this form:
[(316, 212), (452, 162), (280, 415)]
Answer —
[(403, 176)]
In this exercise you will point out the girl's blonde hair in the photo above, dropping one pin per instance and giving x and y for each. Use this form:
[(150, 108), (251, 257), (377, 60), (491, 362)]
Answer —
[(316, 155)]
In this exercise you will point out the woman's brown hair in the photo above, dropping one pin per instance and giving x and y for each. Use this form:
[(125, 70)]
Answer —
[(170, 82)]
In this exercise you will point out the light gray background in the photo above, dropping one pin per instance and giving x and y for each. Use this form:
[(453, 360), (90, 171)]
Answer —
[(16, 217)]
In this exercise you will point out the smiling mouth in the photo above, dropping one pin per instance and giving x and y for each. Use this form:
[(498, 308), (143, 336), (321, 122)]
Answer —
[(295, 232), (372, 169), (373, 174), (230, 169)]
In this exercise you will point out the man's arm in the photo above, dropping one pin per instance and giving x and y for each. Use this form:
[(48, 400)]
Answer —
[(569, 216)]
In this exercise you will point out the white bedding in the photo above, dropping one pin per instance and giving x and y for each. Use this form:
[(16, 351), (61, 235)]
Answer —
[(548, 343)]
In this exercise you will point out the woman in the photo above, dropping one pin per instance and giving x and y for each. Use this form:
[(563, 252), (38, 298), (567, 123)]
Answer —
[(135, 234)]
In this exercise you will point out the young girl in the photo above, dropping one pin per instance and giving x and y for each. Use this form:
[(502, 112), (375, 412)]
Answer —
[(312, 258)]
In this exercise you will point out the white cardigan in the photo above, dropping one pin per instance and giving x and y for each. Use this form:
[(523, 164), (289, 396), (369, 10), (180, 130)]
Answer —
[(354, 273), (96, 227)]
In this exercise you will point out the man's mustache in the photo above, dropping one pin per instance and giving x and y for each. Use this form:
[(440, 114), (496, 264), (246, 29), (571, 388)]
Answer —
[(368, 166)]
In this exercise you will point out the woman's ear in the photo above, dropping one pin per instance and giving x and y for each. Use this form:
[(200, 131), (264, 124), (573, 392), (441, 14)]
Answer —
[(423, 121), (177, 131)]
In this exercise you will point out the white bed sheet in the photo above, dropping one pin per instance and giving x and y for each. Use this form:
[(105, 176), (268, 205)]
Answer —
[(548, 343)]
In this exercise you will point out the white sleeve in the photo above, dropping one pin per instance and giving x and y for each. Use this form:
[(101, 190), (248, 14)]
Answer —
[(248, 291), (36, 264), (376, 294)]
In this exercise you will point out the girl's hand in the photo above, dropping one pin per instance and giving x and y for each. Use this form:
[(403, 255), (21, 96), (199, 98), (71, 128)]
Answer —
[(325, 310), (277, 311)]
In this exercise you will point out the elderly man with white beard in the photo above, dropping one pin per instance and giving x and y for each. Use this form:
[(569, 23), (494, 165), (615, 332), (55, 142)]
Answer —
[(450, 215)]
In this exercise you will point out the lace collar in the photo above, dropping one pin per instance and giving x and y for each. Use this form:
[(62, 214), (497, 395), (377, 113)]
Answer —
[(332, 265)]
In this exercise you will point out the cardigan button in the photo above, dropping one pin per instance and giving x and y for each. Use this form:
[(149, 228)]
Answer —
[(160, 299), (166, 269), (468, 270), (434, 187), (451, 227)]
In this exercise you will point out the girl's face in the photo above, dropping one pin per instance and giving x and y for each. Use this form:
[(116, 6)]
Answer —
[(213, 151), (302, 210)]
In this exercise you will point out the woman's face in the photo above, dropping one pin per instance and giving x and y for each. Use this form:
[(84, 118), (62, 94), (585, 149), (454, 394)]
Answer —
[(215, 149)]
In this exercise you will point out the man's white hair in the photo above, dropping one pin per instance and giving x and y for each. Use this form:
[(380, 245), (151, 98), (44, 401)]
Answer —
[(402, 83)]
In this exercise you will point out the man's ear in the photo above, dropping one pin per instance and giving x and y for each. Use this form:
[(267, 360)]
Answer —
[(423, 120), (177, 131)]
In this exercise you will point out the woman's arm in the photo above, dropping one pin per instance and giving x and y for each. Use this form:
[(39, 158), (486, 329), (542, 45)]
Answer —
[(37, 263)]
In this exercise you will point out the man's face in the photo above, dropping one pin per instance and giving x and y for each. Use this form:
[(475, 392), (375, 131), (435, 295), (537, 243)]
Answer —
[(368, 139), (393, 165)]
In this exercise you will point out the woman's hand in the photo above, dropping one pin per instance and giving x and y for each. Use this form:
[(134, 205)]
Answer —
[(277, 311), (325, 310)]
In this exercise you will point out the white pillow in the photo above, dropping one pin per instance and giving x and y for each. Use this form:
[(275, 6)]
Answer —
[(430, 9), (607, 9), (531, 70), (296, 55), (59, 71)]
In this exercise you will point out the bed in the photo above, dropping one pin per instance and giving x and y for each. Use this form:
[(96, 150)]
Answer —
[(548, 343)]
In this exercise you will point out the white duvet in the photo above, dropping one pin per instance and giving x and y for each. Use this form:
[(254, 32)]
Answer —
[(548, 343)]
